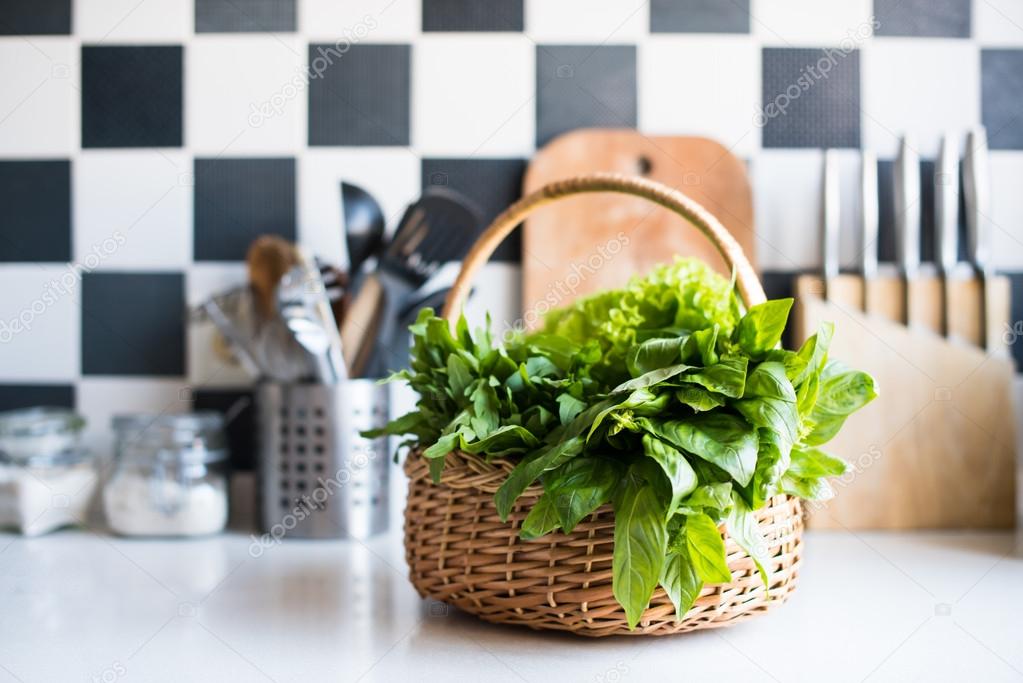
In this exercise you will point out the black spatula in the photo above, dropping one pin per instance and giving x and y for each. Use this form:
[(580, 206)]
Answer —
[(437, 229)]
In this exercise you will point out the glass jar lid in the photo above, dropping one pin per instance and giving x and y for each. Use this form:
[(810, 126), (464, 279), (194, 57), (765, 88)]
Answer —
[(40, 436), (189, 438)]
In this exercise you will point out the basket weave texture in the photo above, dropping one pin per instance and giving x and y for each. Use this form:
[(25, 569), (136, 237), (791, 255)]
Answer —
[(461, 553)]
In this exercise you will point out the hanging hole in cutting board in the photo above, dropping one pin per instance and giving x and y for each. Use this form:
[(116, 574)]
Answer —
[(644, 165)]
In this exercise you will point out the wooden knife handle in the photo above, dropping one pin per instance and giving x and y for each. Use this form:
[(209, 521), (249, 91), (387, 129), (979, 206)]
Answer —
[(361, 325)]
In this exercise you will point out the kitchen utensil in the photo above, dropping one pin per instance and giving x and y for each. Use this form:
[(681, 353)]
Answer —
[(319, 477), (946, 220), (364, 225), (433, 299), (844, 289), (269, 257), (876, 300), (992, 292), (436, 229), (625, 235), (232, 314), (305, 308)]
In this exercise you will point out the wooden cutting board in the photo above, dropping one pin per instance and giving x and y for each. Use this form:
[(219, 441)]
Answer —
[(586, 244), (937, 448)]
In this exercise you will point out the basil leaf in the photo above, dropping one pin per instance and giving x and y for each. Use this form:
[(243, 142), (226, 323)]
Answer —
[(579, 487), (727, 377), (744, 530), (702, 344), (707, 549), (530, 469), (722, 439), (698, 398), (654, 354), (569, 408), (770, 401), (459, 375), (810, 489), (808, 463), (680, 475), (651, 378), (761, 328), (641, 540), (540, 521), (772, 462), (842, 392), (507, 439), (680, 581)]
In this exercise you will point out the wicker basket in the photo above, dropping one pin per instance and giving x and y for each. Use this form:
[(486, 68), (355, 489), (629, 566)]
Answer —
[(460, 552)]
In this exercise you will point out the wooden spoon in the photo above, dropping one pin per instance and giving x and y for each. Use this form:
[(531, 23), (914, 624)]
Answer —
[(269, 258)]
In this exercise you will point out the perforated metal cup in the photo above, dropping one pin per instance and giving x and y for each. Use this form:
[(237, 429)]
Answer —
[(319, 478)]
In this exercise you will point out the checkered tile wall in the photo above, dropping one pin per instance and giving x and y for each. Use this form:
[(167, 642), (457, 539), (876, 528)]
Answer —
[(142, 145)]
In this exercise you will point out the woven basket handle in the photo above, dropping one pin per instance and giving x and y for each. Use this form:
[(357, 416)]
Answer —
[(750, 290)]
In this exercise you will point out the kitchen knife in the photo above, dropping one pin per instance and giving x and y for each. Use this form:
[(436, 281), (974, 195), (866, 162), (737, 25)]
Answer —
[(868, 223), (976, 188), (907, 220), (830, 219), (946, 222)]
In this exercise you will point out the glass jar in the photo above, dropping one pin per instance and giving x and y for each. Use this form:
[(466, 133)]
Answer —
[(169, 476), (46, 478)]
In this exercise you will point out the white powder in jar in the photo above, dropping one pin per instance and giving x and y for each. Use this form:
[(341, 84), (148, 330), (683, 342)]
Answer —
[(136, 505), (38, 499)]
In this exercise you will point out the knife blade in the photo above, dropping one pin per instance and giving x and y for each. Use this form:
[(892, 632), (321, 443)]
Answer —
[(976, 189), (830, 220), (868, 221), (946, 220), (907, 216)]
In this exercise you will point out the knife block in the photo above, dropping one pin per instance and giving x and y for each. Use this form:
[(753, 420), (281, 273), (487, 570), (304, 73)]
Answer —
[(936, 449)]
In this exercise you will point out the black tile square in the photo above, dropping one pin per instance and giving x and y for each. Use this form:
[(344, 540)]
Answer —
[(699, 16), (359, 97), (492, 184), (35, 17), (810, 97), (236, 200), (239, 411), (18, 396), (472, 15), (579, 86), (244, 16), (36, 201), (133, 324), (131, 96), (922, 18), (1002, 97)]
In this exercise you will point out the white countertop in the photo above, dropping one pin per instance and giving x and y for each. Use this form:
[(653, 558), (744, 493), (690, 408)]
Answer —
[(79, 606)]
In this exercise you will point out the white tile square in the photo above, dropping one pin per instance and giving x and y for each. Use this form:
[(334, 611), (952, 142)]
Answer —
[(140, 199), (998, 22), (474, 95), (118, 21), (100, 399), (811, 23), (39, 85), (598, 21), (923, 87), (371, 21), (40, 322), (1007, 209), (205, 366), (246, 94), (786, 203), (701, 86), (391, 176)]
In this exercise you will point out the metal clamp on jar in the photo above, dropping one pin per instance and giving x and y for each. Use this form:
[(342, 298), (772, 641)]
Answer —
[(169, 476)]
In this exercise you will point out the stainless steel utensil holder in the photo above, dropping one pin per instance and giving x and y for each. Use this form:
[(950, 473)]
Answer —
[(319, 478)]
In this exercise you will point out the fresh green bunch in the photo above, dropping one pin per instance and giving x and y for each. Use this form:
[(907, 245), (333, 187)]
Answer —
[(664, 398)]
